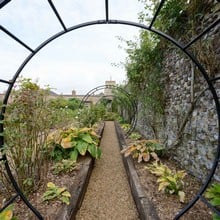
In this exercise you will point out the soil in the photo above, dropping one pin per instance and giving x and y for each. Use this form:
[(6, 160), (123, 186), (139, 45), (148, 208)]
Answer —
[(166, 205)]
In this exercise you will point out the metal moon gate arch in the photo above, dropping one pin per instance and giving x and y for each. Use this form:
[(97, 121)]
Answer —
[(107, 20), (131, 100)]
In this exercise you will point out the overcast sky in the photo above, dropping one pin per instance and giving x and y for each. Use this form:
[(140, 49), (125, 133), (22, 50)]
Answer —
[(79, 60)]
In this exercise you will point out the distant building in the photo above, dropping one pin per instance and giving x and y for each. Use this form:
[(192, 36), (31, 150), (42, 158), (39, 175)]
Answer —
[(93, 99)]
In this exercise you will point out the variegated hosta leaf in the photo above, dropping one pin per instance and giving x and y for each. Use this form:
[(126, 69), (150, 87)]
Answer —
[(124, 150), (127, 153), (163, 185), (172, 179), (138, 147), (60, 190), (51, 185), (154, 155), (181, 174), (139, 158), (85, 130), (66, 142), (66, 194), (143, 149), (94, 134), (82, 147)]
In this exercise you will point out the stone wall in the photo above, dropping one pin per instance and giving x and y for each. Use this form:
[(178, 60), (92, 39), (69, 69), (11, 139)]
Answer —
[(185, 86)]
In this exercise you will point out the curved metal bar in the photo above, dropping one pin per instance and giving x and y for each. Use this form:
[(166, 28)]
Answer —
[(167, 37), (132, 102), (133, 121)]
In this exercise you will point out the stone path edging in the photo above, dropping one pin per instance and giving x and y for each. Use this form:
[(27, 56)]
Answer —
[(145, 207)]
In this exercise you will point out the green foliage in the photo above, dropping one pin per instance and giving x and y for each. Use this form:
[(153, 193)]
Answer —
[(55, 192), (111, 116), (29, 118), (170, 182), (69, 143), (27, 124), (144, 73), (213, 194), (65, 166), (88, 116), (122, 104), (125, 127), (135, 136), (144, 150)]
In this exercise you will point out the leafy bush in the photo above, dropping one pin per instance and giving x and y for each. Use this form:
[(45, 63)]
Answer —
[(170, 182), (144, 150), (28, 120), (69, 143)]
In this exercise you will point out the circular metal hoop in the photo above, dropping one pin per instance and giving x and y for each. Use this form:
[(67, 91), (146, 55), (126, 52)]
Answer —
[(115, 22)]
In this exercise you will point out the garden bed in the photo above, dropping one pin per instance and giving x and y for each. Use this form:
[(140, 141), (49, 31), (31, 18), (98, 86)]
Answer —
[(153, 204), (75, 182)]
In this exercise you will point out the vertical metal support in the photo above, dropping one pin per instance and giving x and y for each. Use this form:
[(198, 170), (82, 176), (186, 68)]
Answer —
[(106, 11)]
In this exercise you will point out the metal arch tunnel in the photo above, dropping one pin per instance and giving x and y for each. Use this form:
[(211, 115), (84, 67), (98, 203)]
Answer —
[(106, 20), (133, 121)]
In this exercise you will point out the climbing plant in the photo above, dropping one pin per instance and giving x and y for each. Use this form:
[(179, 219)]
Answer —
[(145, 78)]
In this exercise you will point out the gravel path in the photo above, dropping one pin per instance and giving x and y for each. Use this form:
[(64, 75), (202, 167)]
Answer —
[(108, 195)]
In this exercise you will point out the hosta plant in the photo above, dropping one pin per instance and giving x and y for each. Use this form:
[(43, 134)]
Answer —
[(170, 181), (64, 166), (144, 150), (213, 194), (55, 192), (69, 143)]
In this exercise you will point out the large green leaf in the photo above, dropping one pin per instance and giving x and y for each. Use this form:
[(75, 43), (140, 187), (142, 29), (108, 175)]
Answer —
[(74, 155), (87, 138), (82, 147), (94, 151)]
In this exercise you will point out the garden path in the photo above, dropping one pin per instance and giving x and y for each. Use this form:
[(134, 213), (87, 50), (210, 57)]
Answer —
[(108, 194)]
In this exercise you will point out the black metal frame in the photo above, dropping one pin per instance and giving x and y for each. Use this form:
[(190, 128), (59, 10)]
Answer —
[(33, 52), (132, 102)]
